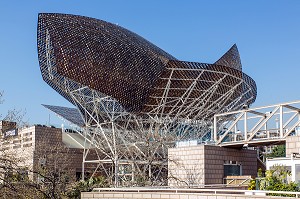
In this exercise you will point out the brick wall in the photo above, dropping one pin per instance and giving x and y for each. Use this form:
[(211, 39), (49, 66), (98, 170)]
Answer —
[(204, 164), (215, 157), (49, 140)]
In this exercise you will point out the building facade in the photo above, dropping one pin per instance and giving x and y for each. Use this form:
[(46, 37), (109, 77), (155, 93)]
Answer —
[(208, 164), (40, 146), (291, 162)]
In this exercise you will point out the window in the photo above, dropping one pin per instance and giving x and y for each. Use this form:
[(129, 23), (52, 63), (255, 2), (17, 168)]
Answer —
[(27, 139), (27, 134), (27, 145), (297, 173), (17, 141), (232, 168)]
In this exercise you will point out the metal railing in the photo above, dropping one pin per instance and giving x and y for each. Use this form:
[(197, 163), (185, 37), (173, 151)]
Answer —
[(237, 180), (257, 125), (195, 191)]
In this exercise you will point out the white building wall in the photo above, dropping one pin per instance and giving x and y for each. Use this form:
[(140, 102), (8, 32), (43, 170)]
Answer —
[(292, 162)]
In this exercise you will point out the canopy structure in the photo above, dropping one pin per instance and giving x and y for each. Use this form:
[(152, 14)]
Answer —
[(132, 95), (70, 114)]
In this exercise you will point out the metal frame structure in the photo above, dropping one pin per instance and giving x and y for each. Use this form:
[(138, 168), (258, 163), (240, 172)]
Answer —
[(255, 126), (135, 99)]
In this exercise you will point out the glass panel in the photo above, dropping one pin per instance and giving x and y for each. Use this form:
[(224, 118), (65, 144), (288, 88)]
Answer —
[(297, 173), (232, 170)]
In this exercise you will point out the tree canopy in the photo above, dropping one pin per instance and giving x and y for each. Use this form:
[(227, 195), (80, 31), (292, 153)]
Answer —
[(277, 151)]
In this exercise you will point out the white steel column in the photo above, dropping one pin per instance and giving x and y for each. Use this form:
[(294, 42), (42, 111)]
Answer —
[(215, 129), (245, 126), (281, 121)]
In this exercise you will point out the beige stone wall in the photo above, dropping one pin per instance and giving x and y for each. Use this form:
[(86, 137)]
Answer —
[(186, 166), (292, 145), (22, 141), (204, 164), (20, 147), (157, 195)]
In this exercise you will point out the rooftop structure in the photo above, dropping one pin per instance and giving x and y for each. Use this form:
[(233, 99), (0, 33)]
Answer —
[(132, 95)]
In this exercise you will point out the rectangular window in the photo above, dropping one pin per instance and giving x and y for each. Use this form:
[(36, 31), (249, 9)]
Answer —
[(27, 134), (232, 170), (27, 145), (17, 141), (27, 139), (297, 173)]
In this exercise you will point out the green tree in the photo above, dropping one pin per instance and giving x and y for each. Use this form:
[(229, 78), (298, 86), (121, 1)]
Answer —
[(278, 151), (86, 186), (276, 180)]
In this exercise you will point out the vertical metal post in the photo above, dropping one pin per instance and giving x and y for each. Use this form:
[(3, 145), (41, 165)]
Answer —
[(215, 129), (115, 155), (83, 155), (82, 170), (297, 127), (281, 121), (132, 172), (245, 126), (149, 172), (116, 171), (266, 130)]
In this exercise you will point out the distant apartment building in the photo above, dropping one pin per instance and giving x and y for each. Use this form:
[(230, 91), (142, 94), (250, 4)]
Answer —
[(35, 143)]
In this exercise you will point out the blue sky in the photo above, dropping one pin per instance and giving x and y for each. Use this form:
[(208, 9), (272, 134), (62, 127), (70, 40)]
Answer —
[(267, 34)]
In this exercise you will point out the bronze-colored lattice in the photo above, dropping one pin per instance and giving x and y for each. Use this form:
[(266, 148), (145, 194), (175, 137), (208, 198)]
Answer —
[(135, 100), (120, 64)]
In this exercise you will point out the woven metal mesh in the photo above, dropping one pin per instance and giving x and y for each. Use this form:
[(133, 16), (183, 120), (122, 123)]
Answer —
[(103, 56), (135, 99), (115, 62), (231, 59), (179, 76), (70, 114)]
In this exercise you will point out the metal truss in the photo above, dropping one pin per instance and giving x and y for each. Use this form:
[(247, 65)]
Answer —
[(133, 147), (255, 126), (135, 99)]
